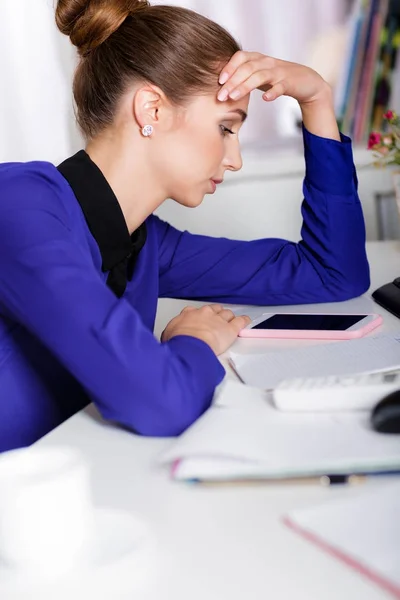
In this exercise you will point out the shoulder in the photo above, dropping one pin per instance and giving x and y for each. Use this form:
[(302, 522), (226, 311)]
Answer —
[(34, 187), (161, 228)]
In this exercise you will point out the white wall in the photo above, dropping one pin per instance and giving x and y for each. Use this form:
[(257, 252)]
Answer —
[(36, 63)]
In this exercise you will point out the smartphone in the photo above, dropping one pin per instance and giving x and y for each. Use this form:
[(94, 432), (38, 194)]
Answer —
[(311, 326)]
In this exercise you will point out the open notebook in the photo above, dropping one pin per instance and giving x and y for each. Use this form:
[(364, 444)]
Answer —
[(242, 436), (362, 530)]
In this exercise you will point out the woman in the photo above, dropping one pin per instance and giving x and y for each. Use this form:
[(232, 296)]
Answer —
[(161, 94)]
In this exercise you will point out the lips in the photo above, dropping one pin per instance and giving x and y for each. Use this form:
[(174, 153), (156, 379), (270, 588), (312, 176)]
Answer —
[(214, 183)]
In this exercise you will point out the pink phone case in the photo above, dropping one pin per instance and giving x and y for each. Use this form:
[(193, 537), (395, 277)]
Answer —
[(312, 334)]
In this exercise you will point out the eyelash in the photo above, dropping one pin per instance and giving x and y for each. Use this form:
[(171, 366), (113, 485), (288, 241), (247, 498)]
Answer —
[(225, 130)]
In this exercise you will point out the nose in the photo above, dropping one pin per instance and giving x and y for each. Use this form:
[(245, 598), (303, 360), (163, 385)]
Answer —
[(233, 157)]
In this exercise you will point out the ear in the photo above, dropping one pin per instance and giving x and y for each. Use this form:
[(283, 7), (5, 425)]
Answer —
[(151, 107)]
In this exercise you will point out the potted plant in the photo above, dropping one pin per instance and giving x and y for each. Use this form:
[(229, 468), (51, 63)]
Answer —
[(386, 146)]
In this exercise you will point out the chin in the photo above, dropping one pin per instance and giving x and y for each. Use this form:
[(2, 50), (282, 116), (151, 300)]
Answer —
[(189, 200)]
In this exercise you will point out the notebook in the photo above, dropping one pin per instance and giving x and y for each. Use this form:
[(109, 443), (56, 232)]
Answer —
[(244, 437), (367, 355), (362, 530)]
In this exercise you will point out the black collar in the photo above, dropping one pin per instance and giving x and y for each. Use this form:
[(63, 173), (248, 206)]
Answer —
[(105, 219)]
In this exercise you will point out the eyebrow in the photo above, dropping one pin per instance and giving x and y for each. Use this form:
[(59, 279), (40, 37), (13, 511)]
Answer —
[(240, 112)]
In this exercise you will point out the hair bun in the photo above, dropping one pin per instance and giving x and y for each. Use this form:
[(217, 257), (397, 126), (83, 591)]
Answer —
[(89, 23)]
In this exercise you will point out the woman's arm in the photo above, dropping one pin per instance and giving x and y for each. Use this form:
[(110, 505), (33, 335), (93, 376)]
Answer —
[(328, 264), (49, 285), (319, 116)]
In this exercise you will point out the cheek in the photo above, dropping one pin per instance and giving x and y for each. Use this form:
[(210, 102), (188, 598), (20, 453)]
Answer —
[(203, 153), (193, 156)]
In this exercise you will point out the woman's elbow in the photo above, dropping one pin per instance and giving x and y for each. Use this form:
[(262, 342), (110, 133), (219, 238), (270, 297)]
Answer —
[(353, 286), (168, 419)]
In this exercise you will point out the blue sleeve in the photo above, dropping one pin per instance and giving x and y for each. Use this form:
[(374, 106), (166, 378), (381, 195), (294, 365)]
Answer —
[(328, 264), (49, 285)]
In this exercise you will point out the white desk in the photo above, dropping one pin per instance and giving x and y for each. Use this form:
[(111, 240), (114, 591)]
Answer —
[(224, 544)]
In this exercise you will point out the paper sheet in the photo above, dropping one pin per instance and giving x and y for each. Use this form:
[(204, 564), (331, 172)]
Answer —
[(367, 355), (362, 530)]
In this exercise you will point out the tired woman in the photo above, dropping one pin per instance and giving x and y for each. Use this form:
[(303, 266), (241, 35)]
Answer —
[(161, 94)]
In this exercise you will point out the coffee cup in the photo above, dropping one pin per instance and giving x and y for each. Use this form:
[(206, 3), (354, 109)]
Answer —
[(46, 512)]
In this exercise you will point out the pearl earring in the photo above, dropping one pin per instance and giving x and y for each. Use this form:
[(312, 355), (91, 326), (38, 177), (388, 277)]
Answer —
[(147, 130)]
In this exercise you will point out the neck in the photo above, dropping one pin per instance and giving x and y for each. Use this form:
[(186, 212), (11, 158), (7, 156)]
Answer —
[(129, 175)]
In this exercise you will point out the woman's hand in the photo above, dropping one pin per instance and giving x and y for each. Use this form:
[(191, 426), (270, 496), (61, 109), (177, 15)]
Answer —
[(215, 325), (248, 71)]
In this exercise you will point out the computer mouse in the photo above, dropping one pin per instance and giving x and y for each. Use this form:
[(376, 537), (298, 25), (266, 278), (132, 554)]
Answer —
[(385, 417)]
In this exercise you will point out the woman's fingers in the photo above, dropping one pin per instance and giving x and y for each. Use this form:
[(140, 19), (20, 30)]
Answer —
[(258, 72), (247, 71), (240, 88), (275, 91), (243, 72), (217, 308), (235, 62), (239, 323), (187, 309), (225, 313)]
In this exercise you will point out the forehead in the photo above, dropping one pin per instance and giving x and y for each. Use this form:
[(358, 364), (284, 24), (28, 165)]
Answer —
[(208, 104)]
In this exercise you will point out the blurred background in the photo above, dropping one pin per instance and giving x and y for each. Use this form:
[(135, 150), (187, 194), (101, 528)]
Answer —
[(37, 63), (353, 43)]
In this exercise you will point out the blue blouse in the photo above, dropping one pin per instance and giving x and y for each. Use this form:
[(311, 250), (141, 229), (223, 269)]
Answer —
[(78, 295)]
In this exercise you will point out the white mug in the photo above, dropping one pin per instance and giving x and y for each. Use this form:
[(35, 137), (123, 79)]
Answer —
[(46, 513)]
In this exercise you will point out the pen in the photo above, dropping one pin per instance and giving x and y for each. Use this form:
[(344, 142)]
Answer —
[(324, 480), (233, 367)]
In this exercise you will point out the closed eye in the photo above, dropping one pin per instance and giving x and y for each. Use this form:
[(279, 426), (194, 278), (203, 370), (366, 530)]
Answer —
[(225, 130)]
